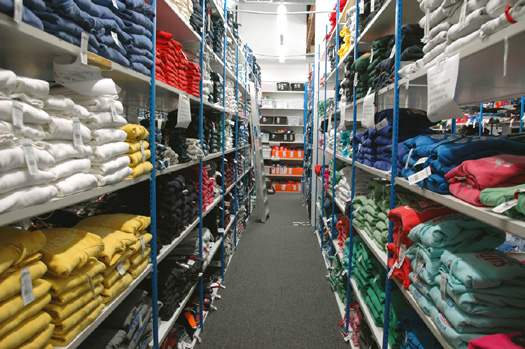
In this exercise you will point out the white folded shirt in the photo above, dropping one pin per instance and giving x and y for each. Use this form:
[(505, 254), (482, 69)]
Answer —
[(107, 135), (109, 150), (31, 131), (114, 177), (22, 198), (32, 101), (13, 157), (31, 115), (105, 119), (110, 166), (58, 103), (7, 82), (68, 167), (31, 87), (62, 150), (20, 178), (62, 129), (76, 183), (100, 104)]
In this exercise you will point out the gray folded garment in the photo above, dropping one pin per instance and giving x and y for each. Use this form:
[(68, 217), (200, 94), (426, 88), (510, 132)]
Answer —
[(472, 23), (105, 338), (517, 12)]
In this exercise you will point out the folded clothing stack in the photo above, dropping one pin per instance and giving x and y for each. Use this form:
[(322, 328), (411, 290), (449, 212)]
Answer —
[(345, 143), (234, 26), (364, 78), (336, 278), (196, 16), (343, 188), (130, 325), (177, 337), (208, 184), (177, 205), (189, 247), (176, 278), (207, 83), (417, 333), (173, 66), (231, 54), (382, 63), (119, 31), (184, 8), (217, 88), (176, 137), (347, 33), (71, 256), (332, 17), (443, 152), (215, 35), (242, 136), (23, 322), (374, 146), (165, 157), (138, 152), (230, 103), (498, 196), (367, 13)]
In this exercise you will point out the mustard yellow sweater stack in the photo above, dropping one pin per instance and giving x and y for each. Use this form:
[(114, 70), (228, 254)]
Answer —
[(139, 152)]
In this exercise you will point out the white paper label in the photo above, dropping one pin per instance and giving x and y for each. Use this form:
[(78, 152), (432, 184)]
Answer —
[(402, 253), (408, 157), (382, 124), (78, 142), (115, 3), (443, 286), (142, 151), (342, 107), (419, 266), (29, 155), (361, 7), (291, 153), (143, 245), (18, 114), (427, 22), (355, 79), (372, 8), (367, 118), (113, 110), (27, 287), (191, 262), (394, 267), (360, 259), (184, 112), (84, 40), (18, 11), (442, 79), (505, 55), (419, 176), (421, 161), (393, 52), (371, 57), (505, 206), (120, 268), (115, 38)]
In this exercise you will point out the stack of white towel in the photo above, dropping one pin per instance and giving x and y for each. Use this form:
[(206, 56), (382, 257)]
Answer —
[(184, 8)]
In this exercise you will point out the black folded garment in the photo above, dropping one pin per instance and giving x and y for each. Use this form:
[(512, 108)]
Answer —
[(105, 338)]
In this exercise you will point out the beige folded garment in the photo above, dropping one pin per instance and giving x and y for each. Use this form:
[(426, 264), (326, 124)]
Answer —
[(40, 339), (65, 339), (115, 274), (73, 293), (11, 285), (124, 256), (61, 312), (67, 324), (135, 272), (59, 286), (139, 257)]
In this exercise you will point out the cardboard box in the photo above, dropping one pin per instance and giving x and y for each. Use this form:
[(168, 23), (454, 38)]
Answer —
[(291, 188), (267, 120)]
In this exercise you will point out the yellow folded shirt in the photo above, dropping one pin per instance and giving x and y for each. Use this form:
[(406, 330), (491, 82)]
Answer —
[(34, 325), (26, 312), (73, 293), (10, 286), (68, 323), (40, 339), (16, 245), (65, 339), (24, 263), (135, 132), (69, 249), (136, 157), (61, 312), (141, 169), (110, 293), (128, 223), (137, 258), (115, 241), (13, 305), (135, 272), (118, 258), (146, 237), (135, 146), (59, 286), (115, 275)]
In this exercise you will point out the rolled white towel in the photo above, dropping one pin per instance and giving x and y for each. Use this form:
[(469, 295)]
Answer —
[(114, 177), (109, 150)]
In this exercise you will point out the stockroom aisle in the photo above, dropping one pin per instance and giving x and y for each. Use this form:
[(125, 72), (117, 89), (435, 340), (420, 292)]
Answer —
[(277, 294)]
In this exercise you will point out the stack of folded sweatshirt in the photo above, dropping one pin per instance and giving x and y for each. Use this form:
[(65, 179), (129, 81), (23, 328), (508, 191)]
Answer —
[(217, 88), (498, 196), (367, 13), (196, 16), (23, 323), (184, 8), (230, 103), (175, 137), (207, 83), (381, 66), (70, 254), (215, 36), (127, 326), (347, 33), (208, 184), (234, 26), (138, 152), (364, 78), (417, 333), (336, 278), (231, 54)]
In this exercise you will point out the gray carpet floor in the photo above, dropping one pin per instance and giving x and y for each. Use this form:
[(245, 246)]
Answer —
[(277, 294)]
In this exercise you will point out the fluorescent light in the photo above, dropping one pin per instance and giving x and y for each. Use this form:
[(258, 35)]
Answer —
[(281, 52), (281, 10)]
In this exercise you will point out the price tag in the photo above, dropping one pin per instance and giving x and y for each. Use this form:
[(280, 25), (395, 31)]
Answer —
[(18, 114), (27, 287), (367, 116), (115, 3), (113, 110), (375, 279), (291, 153), (463, 14), (372, 7), (142, 151), (394, 267), (185, 191), (84, 40), (420, 161), (361, 7), (408, 157), (443, 286), (355, 79), (29, 155), (183, 112), (360, 259), (427, 22), (348, 337), (402, 253), (184, 265), (442, 81), (191, 262), (382, 124), (78, 142), (143, 245), (115, 38), (120, 268), (505, 206), (419, 176), (18, 11), (342, 107), (90, 283)]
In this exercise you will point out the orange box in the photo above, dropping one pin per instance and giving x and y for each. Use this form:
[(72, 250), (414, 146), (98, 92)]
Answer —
[(292, 188), (295, 171), (290, 154)]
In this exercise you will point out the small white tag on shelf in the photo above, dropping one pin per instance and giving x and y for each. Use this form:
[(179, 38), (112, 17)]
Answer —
[(361, 7), (505, 55), (295, 187), (419, 176), (18, 114), (442, 80), (84, 40), (27, 287), (372, 5), (383, 123), (367, 117), (420, 161), (408, 157), (191, 262), (29, 155), (348, 337), (78, 142), (407, 84), (371, 57), (184, 112), (221, 230), (115, 3), (345, 272), (120, 268), (402, 253), (355, 79), (375, 278), (291, 153), (115, 38), (90, 283), (505, 206), (142, 151), (443, 286), (18, 11), (143, 245)]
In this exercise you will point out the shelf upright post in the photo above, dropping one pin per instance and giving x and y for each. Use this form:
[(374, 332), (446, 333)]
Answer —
[(453, 126), (333, 230), (352, 194), (395, 133), (521, 113), (236, 162), (201, 116), (225, 41), (317, 62), (305, 112), (480, 119), (246, 186), (324, 130), (153, 189)]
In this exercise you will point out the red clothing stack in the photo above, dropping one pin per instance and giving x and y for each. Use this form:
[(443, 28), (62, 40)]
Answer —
[(173, 66), (333, 17)]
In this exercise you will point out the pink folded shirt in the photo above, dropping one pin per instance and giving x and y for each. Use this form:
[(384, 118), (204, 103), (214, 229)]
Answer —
[(495, 341)]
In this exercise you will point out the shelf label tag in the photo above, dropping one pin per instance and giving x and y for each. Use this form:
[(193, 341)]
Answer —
[(443, 286), (29, 155), (361, 7), (115, 38), (382, 124), (408, 157), (27, 287), (507, 205), (115, 3), (367, 117), (442, 80), (419, 176), (142, 151), (355, 79), (420, 161), (18, 114), (143, 245), (372, 9), (84, 39), (291, 153), (184, 112), (18, 11), (78, 142), (463, 14), (120, 268)]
